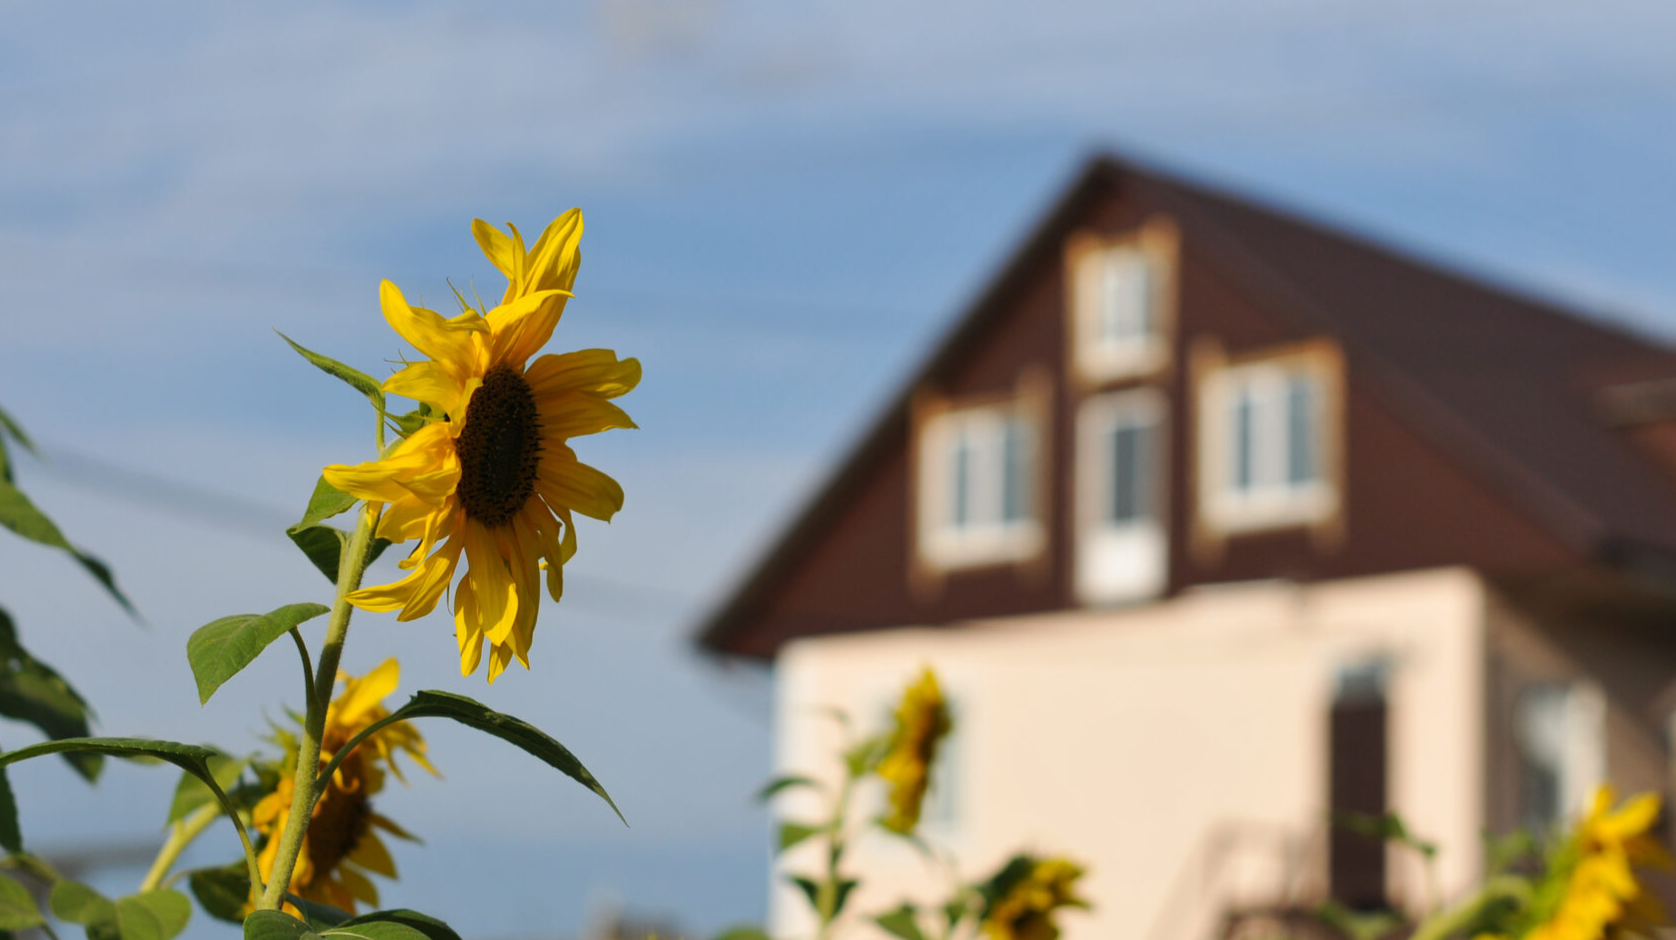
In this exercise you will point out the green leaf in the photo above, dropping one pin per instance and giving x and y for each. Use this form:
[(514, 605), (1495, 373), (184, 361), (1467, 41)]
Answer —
[(11, 836), (326, 502), (424, 924), (276, 925), (171, 909), (78, 904), (792, 833), (316, 914), (902, 922), (434, 704), (188, 757), (744, 932), (221, 892), (324, 545), (10, 428), (844, 888), (221, 648), (811, 890), (778, 784), (190, 793), (17, 906), (865, 755), (357, 379), (375, 930), (32, 692), (20, 515)]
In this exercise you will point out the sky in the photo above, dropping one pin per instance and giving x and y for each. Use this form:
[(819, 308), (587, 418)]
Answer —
[(786, 204)]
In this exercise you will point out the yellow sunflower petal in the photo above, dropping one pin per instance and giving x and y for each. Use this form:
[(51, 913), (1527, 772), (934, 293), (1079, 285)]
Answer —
[(1633, 818), (594, 371), (370, 853), (575, 485), (435, 575), (366, 693), (467, 627), (389, 826), (409, 470), (404, 519), (492, 587), (523, 325), (357, 885), (500, 656), (498, 249), (575, 414), (430, 383), (456, 345), (546, 531), (553, 262)]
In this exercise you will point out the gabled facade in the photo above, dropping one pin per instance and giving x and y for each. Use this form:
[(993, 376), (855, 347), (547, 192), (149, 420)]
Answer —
[(1217, 521)]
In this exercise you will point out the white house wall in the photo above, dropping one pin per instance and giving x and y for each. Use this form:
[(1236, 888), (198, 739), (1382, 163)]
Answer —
[(1179, 749)]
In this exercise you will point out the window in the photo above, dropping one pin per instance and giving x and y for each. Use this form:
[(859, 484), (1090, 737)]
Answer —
[(1120, 465), (1265, 444), (1559, 732), (1119, 306), (978, 487)]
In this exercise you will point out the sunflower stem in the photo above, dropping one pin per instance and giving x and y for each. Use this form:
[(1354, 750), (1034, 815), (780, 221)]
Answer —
[(181, 835), (351, 566)]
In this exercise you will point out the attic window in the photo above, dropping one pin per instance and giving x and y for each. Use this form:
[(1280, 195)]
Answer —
[(1266, 439), (1120, 304), (1121, 541), (978, 483)]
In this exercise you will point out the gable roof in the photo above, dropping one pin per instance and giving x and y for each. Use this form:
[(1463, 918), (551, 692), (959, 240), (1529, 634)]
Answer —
[(1505, 383)]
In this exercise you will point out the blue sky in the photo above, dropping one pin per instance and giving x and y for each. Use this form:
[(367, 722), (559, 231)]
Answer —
[(786, 203)]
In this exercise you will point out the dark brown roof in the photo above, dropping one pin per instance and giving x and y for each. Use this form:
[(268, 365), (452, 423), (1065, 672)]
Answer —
[(1505, 383)]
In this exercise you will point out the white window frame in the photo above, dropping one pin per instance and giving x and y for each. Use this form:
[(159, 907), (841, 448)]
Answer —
[(987, 537), (1095, 272), (1271, 499), (1123, 560), (1573, 746)]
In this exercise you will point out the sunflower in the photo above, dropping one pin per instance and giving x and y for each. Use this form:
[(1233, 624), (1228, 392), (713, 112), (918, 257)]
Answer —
[(922, 721), (491, 476), (1593, 891), (1030, 892), (342, 843)]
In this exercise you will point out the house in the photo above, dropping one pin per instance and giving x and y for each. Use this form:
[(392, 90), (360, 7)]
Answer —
[(1217, 521)]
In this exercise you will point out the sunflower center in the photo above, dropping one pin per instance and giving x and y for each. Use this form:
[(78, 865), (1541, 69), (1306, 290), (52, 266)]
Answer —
[(499, 448), (341, 820)]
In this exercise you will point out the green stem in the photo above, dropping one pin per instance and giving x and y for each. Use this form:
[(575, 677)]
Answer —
[(351, 566), (1450, 922), (181, 835), (826, 898)]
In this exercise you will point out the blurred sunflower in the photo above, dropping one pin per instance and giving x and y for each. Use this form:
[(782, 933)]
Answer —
[(1592, 891), (492, 476), (1026, 895), (922, 721), (342, 844)]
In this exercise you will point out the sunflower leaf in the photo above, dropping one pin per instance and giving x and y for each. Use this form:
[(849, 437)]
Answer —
[(324, 545), (792, 833), (188, 757), (326, 502), (221, 892), (33, 692), (153, 915), (317, 915), (902, 922), (221, 648), (357, 379), (18, 910), (191, 794), (780, 784), (276, 925), (21, 516), (745, 933), (76, 903), (434, 704), (11, 836), (425, 925)]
